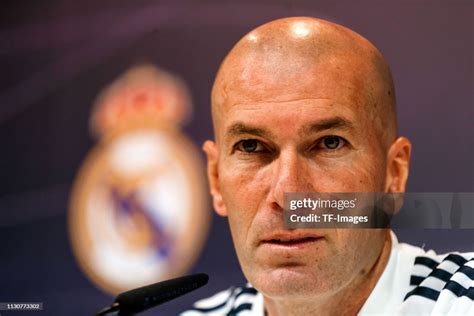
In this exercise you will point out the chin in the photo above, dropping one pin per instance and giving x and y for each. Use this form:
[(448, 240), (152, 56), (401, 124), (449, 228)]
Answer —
[(290, 281)]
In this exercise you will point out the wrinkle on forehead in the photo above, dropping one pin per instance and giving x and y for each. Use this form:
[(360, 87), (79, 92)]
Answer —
[(289, 100), (301, 58)]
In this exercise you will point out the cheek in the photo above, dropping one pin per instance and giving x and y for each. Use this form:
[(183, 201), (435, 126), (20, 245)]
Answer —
[(344, 177), (240, 185), (359, 246), (243, 182), (359, 172), (244, 188)]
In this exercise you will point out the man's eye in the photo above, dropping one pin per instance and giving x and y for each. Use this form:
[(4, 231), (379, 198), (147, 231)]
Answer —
[(331, 143), (249, 146)]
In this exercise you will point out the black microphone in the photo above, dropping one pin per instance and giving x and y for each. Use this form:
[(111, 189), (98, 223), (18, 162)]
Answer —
[(137, 300)]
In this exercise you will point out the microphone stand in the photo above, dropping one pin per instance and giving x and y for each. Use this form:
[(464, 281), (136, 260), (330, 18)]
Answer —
[(137, 300), (110, 309)]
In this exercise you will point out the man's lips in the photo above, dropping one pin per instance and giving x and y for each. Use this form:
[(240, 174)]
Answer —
[(290, 238)]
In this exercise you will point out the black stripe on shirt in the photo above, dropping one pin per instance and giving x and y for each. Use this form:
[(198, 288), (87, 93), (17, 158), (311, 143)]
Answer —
[(459, 290), (234, 294), (427, 262), (468, 271), (470, 293), (423, 291), (457, 259), (246, 290), (221, 305), (441, 274), (436, 273), (238, 309), (416, 280), (452, 286)]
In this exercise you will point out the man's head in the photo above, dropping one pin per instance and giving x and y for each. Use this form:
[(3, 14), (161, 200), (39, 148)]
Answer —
[(302, 105)]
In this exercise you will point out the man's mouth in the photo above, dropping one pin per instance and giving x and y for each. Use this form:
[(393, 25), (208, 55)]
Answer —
[(290, 240)]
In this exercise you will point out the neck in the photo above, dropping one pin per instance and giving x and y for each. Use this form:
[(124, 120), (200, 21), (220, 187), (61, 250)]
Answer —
[(347, 301)]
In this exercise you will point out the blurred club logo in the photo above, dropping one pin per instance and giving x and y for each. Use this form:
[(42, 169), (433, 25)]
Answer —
[(138, 209)]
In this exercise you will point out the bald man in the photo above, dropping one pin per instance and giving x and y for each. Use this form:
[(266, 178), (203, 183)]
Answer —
[(305, 105)]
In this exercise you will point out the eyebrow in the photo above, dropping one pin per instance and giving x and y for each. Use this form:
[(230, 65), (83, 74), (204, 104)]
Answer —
[(327, 124), (238, 129), (337, 122)]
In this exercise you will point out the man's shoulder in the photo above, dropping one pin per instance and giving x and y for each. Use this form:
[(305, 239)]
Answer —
[(233, 301), (439, 284)]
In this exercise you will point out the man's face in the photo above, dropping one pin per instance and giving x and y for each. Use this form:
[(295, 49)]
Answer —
[(308, 131)]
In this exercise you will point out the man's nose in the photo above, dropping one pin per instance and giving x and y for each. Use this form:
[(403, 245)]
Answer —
[(290, 173)]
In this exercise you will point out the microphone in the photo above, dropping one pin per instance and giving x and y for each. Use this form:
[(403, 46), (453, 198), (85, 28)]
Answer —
[(140, 299)]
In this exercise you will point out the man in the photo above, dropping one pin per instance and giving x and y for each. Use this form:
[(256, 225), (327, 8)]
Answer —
[(305, 105)]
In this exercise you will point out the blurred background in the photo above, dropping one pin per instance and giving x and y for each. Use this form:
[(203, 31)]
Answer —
[(57, 56)]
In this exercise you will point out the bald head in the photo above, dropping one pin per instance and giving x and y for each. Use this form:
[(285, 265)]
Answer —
[(303, 58), (303, 105)]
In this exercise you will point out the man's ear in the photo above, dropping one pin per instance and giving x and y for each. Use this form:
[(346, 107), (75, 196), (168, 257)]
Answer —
[(212, 154), (398, 165)]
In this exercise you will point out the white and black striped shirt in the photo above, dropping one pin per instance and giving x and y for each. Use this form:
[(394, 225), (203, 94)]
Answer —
[(234, 301), (414, 282)]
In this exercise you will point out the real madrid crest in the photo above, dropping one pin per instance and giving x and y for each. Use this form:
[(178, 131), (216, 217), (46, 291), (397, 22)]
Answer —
[(138, 209)]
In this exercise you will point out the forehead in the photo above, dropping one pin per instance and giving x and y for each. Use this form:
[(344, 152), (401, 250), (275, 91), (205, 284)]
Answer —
[(293, 99), (289, 120), (277, 76)]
